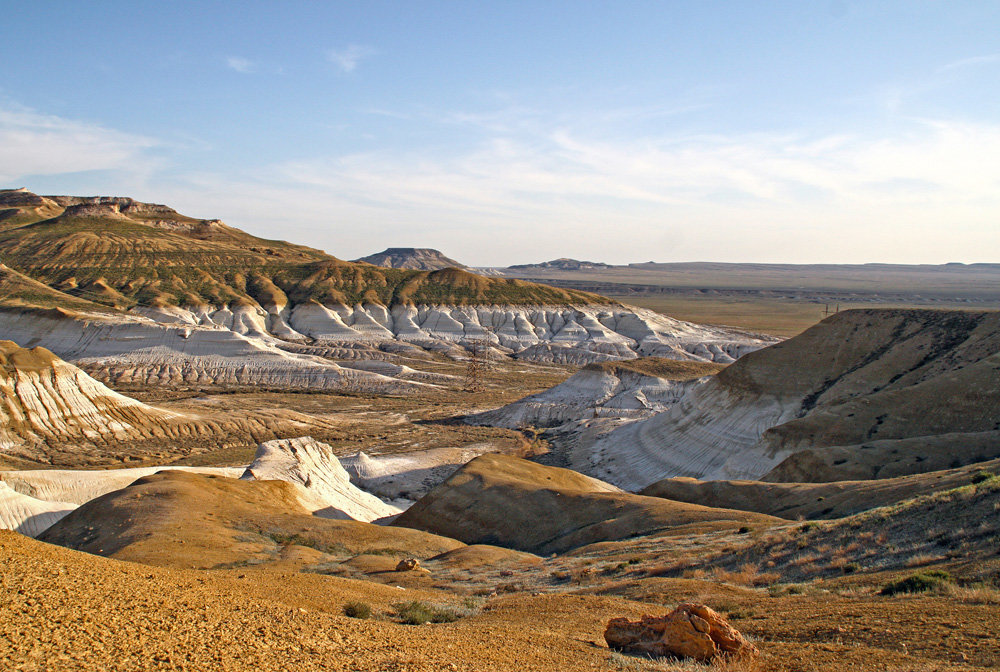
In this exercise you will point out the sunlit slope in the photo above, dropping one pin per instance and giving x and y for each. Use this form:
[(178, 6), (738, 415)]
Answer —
[(120, 252), (911, 390)]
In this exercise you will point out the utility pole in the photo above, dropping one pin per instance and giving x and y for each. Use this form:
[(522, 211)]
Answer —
[(479, 362)]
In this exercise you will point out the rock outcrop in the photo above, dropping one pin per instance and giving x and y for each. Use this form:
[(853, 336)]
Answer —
[(326, 487), (861, 380), (689, 631)]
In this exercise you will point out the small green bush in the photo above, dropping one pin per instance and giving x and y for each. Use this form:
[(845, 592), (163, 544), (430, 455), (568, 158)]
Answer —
[(418, 613), (917, 583), (981, 476), (358, 610)]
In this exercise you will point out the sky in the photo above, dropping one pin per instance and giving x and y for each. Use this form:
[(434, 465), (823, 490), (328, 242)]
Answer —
[(820, 131)]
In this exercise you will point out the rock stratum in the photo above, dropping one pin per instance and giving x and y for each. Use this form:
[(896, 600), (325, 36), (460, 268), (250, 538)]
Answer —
[(45, 399), (858, 396), (136, 293), (54, 413), (631, 389)]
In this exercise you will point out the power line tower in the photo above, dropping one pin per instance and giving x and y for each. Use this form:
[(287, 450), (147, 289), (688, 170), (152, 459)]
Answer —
[(480, 362)]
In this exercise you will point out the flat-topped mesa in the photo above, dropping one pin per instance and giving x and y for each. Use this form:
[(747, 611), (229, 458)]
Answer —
[(416, 258), (124, 204)]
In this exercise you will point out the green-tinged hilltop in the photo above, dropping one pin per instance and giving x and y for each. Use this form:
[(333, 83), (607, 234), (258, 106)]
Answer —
[(121, 253)]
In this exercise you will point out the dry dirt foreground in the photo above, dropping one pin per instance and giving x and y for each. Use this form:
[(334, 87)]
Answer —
[(64, 610)]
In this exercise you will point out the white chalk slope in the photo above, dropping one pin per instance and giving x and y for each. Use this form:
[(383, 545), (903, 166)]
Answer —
[(325, 486), (597, 391), (860, 380)]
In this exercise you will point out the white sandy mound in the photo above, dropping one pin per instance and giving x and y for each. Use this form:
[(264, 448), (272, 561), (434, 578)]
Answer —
[(327, 490), (28, 515)]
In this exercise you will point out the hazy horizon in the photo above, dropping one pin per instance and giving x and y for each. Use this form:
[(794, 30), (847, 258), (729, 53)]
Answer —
[(513, 133)]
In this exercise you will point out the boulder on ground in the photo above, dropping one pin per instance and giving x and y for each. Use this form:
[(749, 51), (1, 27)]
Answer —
[(408, 565), (689, 631)]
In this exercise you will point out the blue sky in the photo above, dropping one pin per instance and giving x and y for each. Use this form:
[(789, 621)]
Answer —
[(512, 132)]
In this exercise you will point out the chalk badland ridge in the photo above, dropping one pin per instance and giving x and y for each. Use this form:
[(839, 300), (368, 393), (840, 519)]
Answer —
[(137, 293)]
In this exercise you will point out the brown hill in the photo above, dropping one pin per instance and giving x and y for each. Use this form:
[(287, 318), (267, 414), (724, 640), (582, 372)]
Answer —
[(121, 252), (506, 501), (793, 501), (181, 519)]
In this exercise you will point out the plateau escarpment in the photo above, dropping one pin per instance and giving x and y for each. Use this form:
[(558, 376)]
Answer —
[(861, 390), (137, 292)]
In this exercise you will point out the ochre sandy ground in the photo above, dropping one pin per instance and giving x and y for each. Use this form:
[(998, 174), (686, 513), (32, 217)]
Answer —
[(64, 610)]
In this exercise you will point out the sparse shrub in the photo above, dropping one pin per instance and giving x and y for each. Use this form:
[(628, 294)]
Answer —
[(981, 476), (917, 583), (358, 610), (851, 568), (419, 613), (743, 530)]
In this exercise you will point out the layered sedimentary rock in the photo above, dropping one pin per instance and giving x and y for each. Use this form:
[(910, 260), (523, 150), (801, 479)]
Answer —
[(130, 349), (137, 292), (326, 487), (626, 390), (870, 380), (43, 398), (573, 334)]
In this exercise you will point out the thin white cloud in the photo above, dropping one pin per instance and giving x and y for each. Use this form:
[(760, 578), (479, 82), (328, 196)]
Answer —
[(348, 58), (241, 65), (929, 195), (974, 61), (32, 143)]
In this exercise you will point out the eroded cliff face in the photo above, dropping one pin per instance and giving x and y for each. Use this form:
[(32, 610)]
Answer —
[(44, 399), (574, 334), (861, 382), (628, 390)]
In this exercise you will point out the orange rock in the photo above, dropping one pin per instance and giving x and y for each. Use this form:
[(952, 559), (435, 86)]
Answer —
[(689, 631), (407, 565)]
